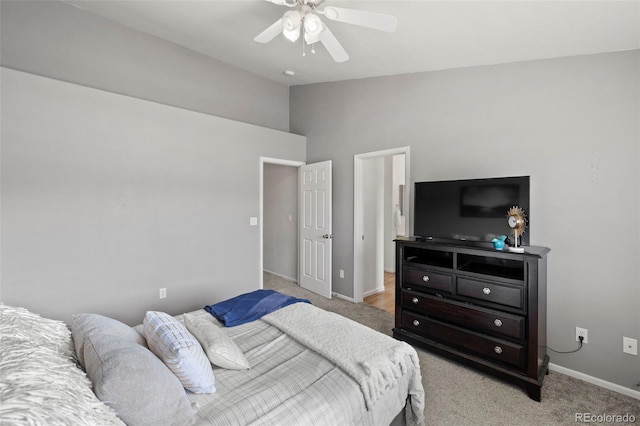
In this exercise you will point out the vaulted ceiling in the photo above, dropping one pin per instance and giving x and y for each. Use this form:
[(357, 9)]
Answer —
[(431, 35)]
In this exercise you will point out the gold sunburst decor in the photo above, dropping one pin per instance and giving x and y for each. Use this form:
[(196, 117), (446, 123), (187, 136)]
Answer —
[(517, 221)]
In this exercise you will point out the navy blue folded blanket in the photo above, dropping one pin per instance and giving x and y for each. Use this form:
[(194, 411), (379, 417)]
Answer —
[(250, 306)]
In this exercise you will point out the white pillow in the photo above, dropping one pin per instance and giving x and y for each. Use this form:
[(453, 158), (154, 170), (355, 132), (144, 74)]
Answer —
[(219, 347), (180, 351)]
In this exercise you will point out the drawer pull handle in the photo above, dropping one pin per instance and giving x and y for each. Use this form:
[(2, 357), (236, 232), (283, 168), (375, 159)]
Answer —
[(414, 300), (425, 278), (416, 323), (498, 349), (497, 322), (486, 290)]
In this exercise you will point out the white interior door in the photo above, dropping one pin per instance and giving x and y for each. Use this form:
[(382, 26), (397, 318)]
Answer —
[(315, 227)]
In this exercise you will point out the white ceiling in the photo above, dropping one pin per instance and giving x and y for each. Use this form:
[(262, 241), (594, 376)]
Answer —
[(431, 35)]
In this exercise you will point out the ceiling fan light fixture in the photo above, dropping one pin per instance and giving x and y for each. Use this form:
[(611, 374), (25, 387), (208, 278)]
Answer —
[(312, 24), (291, 24), (310, 39), (304, 21), (292, 35), (291, 20)]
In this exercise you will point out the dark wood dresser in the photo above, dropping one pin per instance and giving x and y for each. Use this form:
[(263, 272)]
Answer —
[(481, 306)]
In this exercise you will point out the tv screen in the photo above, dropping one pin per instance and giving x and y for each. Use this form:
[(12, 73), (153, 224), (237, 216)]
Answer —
[(471, 210)]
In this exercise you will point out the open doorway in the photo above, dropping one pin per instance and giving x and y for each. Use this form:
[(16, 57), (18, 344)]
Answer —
[(278, 219), (381, 205)]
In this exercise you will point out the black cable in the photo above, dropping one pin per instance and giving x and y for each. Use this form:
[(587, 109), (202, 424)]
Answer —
[(580, 338)]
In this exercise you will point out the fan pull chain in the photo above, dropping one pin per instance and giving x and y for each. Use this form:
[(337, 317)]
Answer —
[(313, 48)]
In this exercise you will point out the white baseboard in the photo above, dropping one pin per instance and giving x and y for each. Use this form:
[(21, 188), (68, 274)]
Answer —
[(390, 270), (374, 291), (284, 277), (594, 380)]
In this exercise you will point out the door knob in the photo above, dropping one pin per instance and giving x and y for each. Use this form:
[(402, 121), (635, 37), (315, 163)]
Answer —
[(327, 236)]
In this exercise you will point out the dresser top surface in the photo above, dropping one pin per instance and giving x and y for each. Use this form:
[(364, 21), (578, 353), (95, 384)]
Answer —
[(462, 247)]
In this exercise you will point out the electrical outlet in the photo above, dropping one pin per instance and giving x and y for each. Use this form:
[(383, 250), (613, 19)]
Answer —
[(581, 332), (630, 346), (163, 293)]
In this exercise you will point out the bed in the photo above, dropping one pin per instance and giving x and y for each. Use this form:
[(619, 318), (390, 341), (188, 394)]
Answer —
[(296, 365)]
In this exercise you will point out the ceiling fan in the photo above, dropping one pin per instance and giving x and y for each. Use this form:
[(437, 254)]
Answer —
[(304, 19)]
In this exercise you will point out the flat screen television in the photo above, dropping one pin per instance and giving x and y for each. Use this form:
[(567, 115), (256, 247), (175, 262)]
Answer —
[(473, 211)]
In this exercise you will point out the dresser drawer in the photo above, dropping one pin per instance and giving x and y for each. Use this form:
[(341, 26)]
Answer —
[(473, 317), (488, 292), (426, 279), (488, 347)]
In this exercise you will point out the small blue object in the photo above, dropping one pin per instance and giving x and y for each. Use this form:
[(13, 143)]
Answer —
[(498, 243)]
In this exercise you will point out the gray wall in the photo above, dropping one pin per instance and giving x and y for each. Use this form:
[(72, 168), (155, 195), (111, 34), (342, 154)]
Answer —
[(280, 216), (108, 198), (572, 124), (56, 40)]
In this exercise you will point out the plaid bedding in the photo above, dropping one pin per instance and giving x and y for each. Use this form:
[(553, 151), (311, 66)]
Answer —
[(288, 384)]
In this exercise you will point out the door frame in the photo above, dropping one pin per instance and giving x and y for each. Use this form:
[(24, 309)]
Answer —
[(263, 161), (358, 208)]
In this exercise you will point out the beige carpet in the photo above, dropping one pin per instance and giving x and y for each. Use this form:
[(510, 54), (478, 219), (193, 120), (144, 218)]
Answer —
[(459, 395)]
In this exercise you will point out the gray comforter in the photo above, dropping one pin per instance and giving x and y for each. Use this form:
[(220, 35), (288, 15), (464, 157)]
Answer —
[(290, 384)]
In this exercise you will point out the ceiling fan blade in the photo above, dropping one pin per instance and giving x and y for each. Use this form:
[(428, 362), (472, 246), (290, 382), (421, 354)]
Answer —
[(311, 38), (270, 33), (290, 3), (333, 46), (377, 21)]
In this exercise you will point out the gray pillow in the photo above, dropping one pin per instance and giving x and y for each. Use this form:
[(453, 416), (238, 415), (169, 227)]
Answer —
[(84, 325), (135, 383)]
